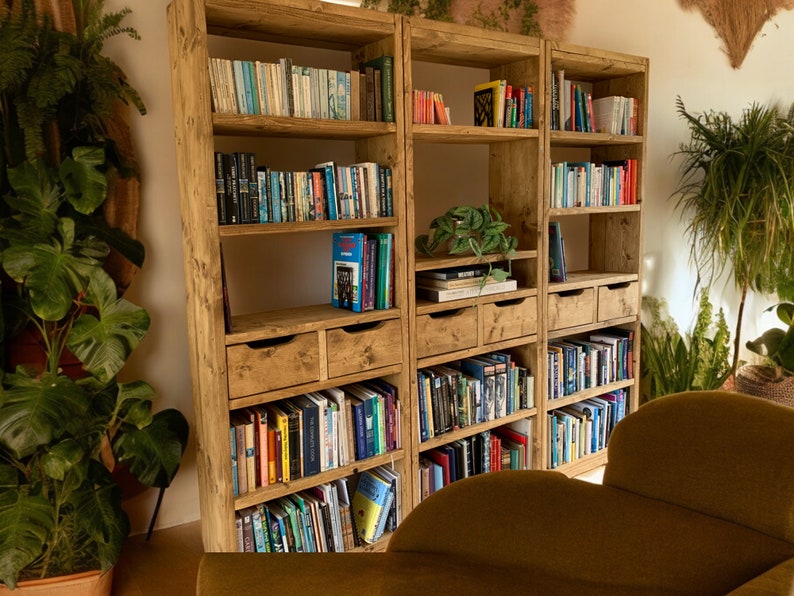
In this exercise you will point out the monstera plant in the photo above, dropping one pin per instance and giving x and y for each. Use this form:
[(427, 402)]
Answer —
[(60, 437), (65, 430)]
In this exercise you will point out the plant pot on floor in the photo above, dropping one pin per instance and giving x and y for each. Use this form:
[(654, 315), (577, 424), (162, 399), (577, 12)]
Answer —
[(89, 583), (764, 381)]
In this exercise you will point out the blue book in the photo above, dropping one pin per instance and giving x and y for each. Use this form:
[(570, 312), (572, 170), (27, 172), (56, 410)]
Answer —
[(263, 181), (233, 441), (275, 197), (348, 270), (310, 435), (359, 427)]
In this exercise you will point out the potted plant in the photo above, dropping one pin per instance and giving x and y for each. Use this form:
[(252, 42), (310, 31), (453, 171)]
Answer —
[(466, 229), (775, 378), (737, 185), (62, 434), (673, 362)]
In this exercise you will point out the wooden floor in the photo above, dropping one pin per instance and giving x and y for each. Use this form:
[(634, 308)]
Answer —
[(165, 564)]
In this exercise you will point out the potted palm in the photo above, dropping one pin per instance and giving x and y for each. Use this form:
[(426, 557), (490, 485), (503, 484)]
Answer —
[(61, 435), (737, 187)]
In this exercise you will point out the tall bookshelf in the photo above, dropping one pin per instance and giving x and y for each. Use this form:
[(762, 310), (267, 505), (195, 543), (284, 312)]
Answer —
[(286, 338), (603, 251), (463, 164)]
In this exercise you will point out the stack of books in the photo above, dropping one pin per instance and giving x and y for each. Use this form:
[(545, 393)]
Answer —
[(457, 283)]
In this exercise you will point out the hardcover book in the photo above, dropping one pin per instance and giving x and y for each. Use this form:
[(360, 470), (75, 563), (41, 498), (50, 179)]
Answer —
[(372, 497), (441, 295), (348, 270), (557, 271)]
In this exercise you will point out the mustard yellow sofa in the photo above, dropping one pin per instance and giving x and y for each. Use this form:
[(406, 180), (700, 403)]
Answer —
[(697, 498)]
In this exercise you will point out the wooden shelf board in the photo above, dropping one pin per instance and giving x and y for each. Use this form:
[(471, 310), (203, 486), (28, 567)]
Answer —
[(463, 135), (255, 125), (231, 231), (567, 138), (468, 431), (424, 263), (561, 402), (570, 211)]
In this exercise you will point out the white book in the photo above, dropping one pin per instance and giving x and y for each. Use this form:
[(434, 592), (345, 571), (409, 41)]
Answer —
[(439, 295)]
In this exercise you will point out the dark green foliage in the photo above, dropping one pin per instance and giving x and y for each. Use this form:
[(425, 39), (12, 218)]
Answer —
[(776, 345), (737, 188)]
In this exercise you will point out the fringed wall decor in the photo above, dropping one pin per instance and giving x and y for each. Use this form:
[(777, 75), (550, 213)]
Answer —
[(549, 19), (737, 22)]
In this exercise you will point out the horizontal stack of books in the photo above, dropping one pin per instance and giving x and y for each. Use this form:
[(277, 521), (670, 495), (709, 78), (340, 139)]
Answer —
[(457, 283)]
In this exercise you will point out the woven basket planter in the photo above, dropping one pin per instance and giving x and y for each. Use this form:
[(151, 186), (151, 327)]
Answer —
[(763, 381)]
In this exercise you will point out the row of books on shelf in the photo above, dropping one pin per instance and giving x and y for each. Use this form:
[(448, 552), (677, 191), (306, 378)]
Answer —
[(500, 104), (311, 433), (247, 193), (325, 518), (457, 283), (362, 271), (573, 108), (471, 391), (586, 184), (578, 364), (507, 447), (429, 108), (583, 428), (286, 89)]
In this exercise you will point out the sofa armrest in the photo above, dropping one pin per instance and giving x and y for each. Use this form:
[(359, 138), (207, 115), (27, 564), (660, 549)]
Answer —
[(777, 581)]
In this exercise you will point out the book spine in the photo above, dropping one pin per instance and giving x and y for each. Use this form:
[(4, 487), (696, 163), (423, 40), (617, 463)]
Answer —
[(220, 189)]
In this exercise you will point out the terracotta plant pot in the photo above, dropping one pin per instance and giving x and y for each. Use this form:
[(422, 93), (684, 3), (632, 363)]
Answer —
[(89, 583)]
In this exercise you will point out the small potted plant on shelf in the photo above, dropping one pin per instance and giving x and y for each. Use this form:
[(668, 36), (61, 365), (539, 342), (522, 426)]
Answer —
[(471, 230), (737, 187), (63, 430), (774, 379)]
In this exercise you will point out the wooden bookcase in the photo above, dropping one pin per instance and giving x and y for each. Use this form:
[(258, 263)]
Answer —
[(286, 338), (604, 248)]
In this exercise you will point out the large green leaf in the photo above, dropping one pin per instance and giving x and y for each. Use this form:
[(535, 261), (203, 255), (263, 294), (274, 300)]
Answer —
[(35, 411), (54, 274), (85, 184), (104, 342), (153, 453), (34, 204), (25, 523), (99, 514), (62, 459)]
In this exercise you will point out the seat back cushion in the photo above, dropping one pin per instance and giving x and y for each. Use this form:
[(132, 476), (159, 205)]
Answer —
[(721, 453), (555, 535)]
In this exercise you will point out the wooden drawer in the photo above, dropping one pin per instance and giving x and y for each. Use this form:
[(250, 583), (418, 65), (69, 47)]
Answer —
[(618, 300), (570, 308), (509, 319), (446, 331), (362, 347), (273, 363)]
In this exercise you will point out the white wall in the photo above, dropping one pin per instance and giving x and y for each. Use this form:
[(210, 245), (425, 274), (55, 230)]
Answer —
[(685, 58)]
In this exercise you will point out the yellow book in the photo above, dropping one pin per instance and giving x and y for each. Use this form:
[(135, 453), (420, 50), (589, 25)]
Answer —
[(371, 501), (282, 423)]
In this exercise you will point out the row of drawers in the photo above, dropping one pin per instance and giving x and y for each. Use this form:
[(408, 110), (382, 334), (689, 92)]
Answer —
[(269, 365)]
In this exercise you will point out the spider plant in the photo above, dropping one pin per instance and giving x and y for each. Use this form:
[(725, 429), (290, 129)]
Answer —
[(737, 186)]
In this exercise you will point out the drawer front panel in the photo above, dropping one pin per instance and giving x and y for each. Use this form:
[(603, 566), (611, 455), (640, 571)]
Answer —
[(569, 309), (357, 348), (447, 331), (510, 319), (272, 364), (621, 300)]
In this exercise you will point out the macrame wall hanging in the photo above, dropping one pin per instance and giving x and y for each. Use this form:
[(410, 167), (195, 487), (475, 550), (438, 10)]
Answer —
[(737, 22), (549, 19)]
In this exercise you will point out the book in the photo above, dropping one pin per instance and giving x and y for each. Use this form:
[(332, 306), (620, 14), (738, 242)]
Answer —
[(487, 101), (348, 271), (442, 295), (310, 434), (384, 64), (454, 272), (220, 188), (557, 271)]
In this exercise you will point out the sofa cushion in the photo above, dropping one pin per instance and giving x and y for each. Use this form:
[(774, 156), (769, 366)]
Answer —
[(545, 529), (720, 453)]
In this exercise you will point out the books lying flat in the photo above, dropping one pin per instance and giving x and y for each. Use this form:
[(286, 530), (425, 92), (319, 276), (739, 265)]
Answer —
[(441, 295), (454, 272), (449, 284)]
